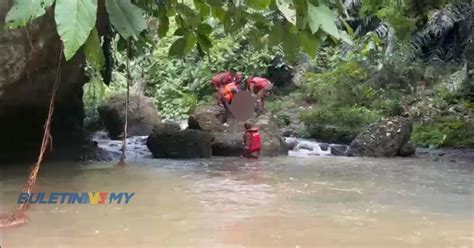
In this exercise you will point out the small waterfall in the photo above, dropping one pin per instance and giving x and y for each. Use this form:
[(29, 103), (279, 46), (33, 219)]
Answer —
[(310, 148), (136, 146)]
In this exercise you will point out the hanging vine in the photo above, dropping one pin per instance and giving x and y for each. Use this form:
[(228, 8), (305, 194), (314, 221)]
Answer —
[(121, 162), (18, 216)]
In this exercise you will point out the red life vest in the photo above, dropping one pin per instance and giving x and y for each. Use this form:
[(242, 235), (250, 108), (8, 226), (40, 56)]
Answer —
[(255, 143), (259, 83), (222, 79)]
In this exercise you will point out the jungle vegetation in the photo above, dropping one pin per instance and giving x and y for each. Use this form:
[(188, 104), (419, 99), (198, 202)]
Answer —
[(341, 64)]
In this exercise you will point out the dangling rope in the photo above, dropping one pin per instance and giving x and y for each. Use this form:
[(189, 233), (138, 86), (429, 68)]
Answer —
[(121, 162), (18, 216)]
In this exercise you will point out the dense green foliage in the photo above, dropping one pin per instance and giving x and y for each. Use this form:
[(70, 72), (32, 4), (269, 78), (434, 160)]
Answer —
[(338, 124), (304, 23), (175, 47), (445, 132), (179, 84)]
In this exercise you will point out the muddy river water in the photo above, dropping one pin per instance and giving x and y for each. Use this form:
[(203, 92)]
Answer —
[(271, 202)]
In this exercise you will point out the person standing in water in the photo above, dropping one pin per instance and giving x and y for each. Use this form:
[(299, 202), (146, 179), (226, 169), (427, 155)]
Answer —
[(260, 87), (252, 141)]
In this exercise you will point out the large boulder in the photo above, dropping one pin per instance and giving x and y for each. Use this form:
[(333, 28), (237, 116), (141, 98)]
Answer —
[(142, 115), (382, 139), (166, 142), (227, 144), (28, 69), (407, 150), (228, 139), (272, 142), (207, 118)]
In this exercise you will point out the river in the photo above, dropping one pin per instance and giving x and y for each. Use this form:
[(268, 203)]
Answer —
[(271, 202)]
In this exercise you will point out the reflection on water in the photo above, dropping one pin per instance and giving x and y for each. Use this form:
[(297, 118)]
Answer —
[(278, 202)]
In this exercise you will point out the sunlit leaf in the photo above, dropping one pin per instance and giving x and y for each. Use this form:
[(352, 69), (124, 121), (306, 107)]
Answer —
[(346, 38), (178, 47), (93, 51), (74, 22), (323, 16), (24, 11), (190, 42), (258, 4), (286, 8), (218, 12), (126, 18)]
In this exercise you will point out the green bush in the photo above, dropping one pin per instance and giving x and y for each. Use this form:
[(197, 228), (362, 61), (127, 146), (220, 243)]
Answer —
[(444, 132), (338, 125), (341, 86), (179, 84), (388, 107)]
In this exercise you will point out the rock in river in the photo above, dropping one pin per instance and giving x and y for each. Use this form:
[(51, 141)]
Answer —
[(385, 138), (168, 142), (228, 140), (142, 115)]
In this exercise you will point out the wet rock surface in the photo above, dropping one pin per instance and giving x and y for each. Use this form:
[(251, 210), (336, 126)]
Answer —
[(407, 150), (228, 137), (142, 115), (207, 118), (28, 64), (172, 143)]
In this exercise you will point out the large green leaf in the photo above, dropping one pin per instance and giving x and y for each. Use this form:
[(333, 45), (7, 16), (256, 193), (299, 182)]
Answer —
[(93, 51), (301, 8), (181, 32), (202, 8), (346, 38), (163, 26), (74, 22), (126, 18), (219, 13), (321, 16), (287, 9), (204, 42), (191, 17), (190, 42), (178, 47), (309, 43), (276, 35), (24, 11), (204, 28), (291, 45), (314, 21), (259, 4)]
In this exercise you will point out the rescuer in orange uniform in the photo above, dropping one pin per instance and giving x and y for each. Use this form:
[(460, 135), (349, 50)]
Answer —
[(260, 87)]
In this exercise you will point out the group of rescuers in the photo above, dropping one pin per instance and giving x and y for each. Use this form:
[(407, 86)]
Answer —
[(229, 83)]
